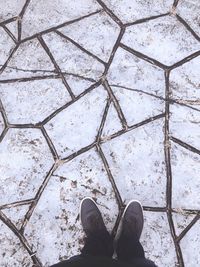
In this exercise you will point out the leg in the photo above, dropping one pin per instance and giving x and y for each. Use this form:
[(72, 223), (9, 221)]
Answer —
[(129, 248), (98, 241), (98, 244)]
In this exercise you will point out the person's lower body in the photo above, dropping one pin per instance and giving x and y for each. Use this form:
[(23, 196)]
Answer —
[(99, 243)]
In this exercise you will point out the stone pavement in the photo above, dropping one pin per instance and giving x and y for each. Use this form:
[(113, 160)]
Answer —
[(101, 99)]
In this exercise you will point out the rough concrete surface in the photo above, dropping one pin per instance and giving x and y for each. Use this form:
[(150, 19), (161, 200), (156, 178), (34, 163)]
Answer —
[(99, 98)]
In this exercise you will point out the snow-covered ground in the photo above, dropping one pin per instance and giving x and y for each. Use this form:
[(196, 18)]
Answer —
[(99, 98)]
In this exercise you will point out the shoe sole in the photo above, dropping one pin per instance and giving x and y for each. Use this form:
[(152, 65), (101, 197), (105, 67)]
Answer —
[(119, 229)]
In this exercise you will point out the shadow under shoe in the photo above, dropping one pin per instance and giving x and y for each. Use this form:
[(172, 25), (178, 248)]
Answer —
[(98, 241)]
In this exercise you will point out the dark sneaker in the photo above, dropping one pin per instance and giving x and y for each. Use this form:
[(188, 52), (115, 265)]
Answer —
[(132, 220), (91, 218)]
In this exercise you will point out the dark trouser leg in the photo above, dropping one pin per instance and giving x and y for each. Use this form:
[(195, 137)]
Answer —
[(130, 250), (98, 244)]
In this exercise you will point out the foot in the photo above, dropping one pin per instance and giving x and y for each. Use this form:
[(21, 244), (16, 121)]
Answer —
[(132, 220), (91, 218)]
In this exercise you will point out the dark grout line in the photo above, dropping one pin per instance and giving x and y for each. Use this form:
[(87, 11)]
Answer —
[(17, 204), (185, 145), (32, 78), (24, 126), (184, 60), (79, 152), (38, 195), (9, 58), (50, 144), (155, 209), (21, 14), (176, 101), (130, 128), (116, 103), (176, 244), (79, 46), (138, 91), (117, 222), (175, 3), (167, 143), (59, 26), (10, 34), (167, 149), (2, 135), (188, 211), (115, 47), (188, 227), (46, 48), (171, 100), (188, 27), (103, 120), (8, 21), (88, 90), (110, 13), (19, 28), (3, 113), (139, 21), (110, 176), (21, 237), (144, 57)]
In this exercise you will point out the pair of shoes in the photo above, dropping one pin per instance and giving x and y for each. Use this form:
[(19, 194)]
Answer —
[(131, 224)]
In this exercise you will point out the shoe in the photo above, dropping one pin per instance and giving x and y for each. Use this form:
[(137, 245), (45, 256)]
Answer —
[(91, 218), (132, 220)]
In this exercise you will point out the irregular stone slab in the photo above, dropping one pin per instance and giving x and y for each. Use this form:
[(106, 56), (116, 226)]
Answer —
[(185, 83), (76, 126), (6, 46), (186, 179), (16, 214), (133, 179), (185, 124), (164, 39), (33, 101), (12, 252), (97, 34), (25, 159), (129, 11), (130, 71), (157, 240), (192, 241), (36, 20), (181, 220), (112, 123), (72, 59), (138, 106), (59, 230), (10, 8), (77, 84), (29, 60), (189, 11)]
